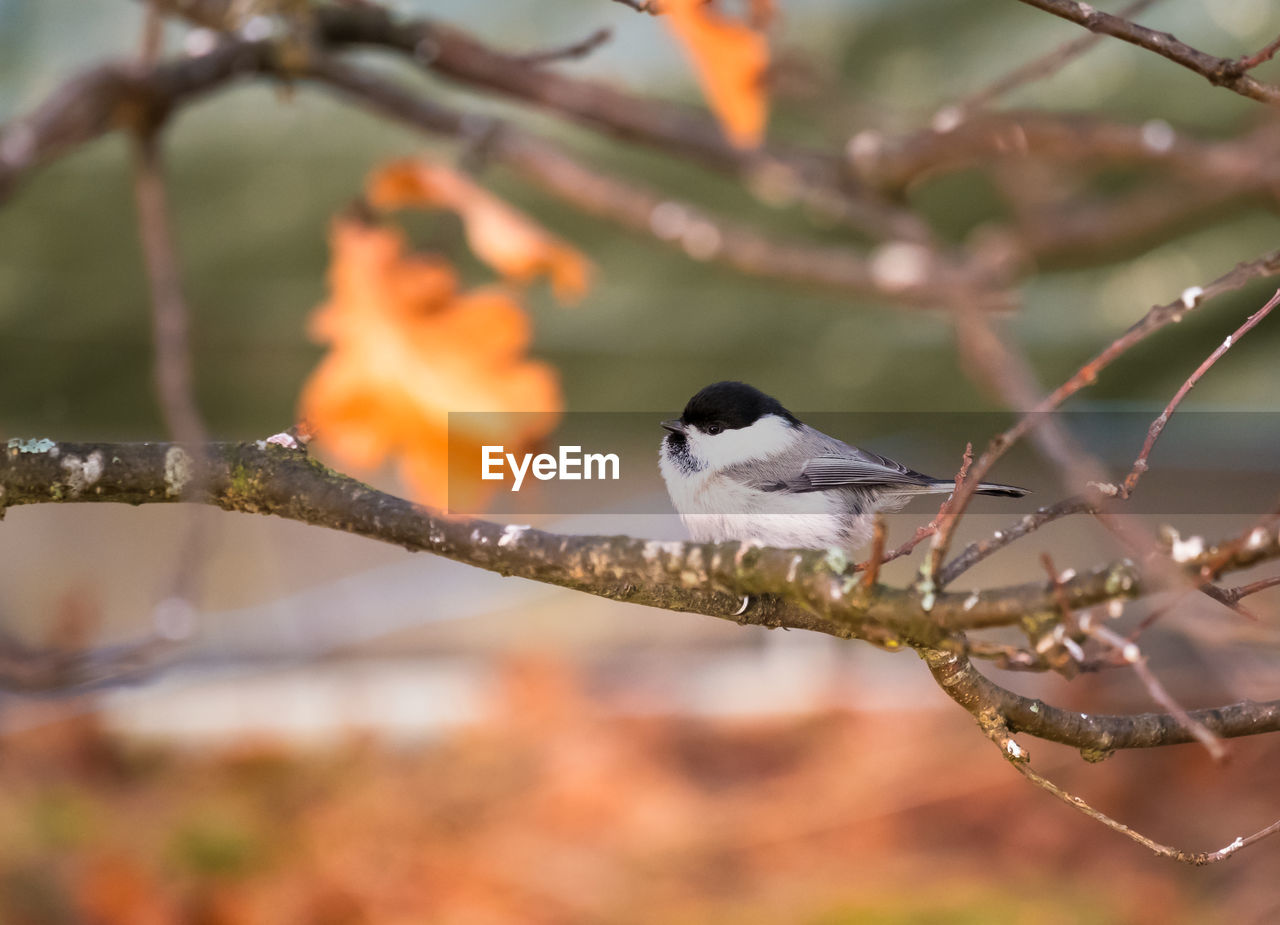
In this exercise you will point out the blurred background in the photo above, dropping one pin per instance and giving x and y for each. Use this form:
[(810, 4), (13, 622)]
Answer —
[(358, 734)]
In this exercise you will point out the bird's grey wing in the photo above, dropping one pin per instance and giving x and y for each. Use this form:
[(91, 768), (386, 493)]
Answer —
[(851, 468)]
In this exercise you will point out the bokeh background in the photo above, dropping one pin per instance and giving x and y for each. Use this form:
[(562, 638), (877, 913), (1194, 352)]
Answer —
[(362, 735)]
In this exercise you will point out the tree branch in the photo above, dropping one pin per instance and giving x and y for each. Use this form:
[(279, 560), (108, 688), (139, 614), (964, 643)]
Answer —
[(1221, 72), (816, 590), (998, 732), (1157, 426), (1038, 68), (669, 127), (1159, 316), (1097, 735), (109, 97)]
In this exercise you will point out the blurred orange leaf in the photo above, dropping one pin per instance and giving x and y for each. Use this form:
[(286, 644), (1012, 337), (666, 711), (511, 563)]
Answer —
[(406, 348), (730, 59), (500, 235)]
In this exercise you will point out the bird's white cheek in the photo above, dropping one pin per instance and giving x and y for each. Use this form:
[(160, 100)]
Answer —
[(766, 437)]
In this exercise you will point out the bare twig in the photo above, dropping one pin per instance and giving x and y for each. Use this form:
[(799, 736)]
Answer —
[(28, 670), (871, 573), (1155, 319), (1221, 72), (675, 223), (1128, 650), (1059, 593), (1096, 735), (1158, 425), (944, 523), (1039, 68), (652, 7), (1018, 757), (980, 549), (1264, 54), (170, 316), (1262, 584), (579, 49), (174, 380), (152, 36)]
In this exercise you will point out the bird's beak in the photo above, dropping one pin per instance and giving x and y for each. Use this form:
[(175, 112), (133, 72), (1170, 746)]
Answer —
[(676, 426)]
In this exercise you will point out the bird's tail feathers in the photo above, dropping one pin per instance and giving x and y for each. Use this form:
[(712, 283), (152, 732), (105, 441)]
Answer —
[(995, 489)]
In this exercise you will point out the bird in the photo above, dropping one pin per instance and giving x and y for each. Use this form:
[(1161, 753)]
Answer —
[(740, 466)]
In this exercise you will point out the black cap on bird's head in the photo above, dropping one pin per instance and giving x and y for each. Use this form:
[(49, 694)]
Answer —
[(729, 406)]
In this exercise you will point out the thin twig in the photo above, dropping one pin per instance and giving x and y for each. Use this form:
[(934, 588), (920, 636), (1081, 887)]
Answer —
[(1221, 72), (1018, 757), (1059, 593), (680, 225), (578, 49), (944, 523), (1128, 650), (1096, 735), (1157, 318), (1262, 584), (1158, 425), (879, 533), (152, 36), (652, 7), (28, 670), (978, 550), (1039, 68), (927, 530), (174, 377), (1249, 62), (174, 380)]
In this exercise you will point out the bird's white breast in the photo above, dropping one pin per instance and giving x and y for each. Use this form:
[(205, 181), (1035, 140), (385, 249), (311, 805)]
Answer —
[(715, 508)]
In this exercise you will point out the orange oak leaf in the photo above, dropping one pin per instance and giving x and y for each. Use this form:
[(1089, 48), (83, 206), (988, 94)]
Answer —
[(500, 235), (406, 347), (730, 59)]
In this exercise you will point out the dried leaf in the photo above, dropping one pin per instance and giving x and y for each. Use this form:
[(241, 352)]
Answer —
[(406, 348), (730, 59), (503, 237)]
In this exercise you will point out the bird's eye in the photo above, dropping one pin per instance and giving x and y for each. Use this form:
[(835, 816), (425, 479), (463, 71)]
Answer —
[(714, 429)]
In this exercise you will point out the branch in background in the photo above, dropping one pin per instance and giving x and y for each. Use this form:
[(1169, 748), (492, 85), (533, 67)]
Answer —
[(579, 49), (1203, 180), (170, 317), (1221, 72), (28, 670), (109, 97), (1037, 69), (1087, 231), (665, 126), (924, 279), (99, 100), (895, 163), (652, 7)]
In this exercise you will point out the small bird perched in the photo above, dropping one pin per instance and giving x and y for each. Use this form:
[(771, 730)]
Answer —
[(739, 466)]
